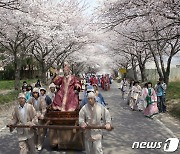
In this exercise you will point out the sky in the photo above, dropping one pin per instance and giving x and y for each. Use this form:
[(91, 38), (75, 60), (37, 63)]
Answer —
[(92, 4), (175, 61)]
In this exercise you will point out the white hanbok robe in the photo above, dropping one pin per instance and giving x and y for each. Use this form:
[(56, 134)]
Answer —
[(97, 115)]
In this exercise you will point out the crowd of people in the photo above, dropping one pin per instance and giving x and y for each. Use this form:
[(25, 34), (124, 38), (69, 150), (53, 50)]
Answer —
[(69, 93), (61, 95), (147, 99), (102, 81), (32, 106)]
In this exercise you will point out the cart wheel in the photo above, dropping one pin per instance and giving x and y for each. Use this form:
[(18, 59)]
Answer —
[(54, 147)]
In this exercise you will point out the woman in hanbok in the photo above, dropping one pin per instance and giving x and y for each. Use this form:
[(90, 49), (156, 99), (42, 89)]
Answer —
[(106, 82), (150, 97), (129, 91), (142, 104), (135, 95), (125, 87), (102, 82)]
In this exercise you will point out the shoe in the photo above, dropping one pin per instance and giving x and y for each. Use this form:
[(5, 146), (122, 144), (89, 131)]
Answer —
[(150, 117), (39, 147)]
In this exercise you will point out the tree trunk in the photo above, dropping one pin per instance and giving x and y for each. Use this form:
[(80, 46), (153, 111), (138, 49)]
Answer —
[(143, 73), (135, 73), (158, 68), (43, 72), (162, 65), (72, 68), (167, 73), (156, 62), (17, 66), (133, 63)]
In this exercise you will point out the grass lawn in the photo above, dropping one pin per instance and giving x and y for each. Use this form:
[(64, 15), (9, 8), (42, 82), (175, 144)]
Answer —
[(173, 98), (173, 90), (9, 84), (175, 110), (11, 96)]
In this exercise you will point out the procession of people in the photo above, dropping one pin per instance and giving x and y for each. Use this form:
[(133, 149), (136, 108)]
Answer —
[(146, 99), (68, 93), (62, 95)]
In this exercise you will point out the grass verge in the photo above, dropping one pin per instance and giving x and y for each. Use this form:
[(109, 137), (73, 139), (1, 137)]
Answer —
[(11, 96), (173, 90), (175, 110), (9, 84), (173, 99)]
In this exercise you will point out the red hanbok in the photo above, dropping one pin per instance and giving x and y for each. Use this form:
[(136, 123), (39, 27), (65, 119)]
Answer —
[(93, 80), (102, 82), (66, 99), (106, 83)]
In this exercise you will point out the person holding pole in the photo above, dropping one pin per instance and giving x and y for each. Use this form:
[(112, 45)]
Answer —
[(94, 114), (24, 114)]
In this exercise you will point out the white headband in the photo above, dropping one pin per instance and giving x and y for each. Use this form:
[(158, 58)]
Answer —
[(91, 95)]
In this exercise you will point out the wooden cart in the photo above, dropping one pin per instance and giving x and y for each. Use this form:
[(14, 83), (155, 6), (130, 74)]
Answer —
[(71, 138)]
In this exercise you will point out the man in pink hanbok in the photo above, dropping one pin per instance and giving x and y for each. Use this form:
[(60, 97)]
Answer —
[(150, 98), (66, 98)]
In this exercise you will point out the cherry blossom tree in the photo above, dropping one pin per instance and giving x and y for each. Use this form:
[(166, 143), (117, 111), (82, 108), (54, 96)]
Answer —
[(15, 38), (153, 23), (9, 4), (50, 31), (18, 31), (66, 35)]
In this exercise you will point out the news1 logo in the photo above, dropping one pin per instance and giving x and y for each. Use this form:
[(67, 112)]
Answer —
[(170, 145)]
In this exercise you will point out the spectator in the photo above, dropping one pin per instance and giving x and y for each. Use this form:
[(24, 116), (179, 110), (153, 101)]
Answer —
[(44, 96), (160, 89), (38, 84), (99, 97), (52, 92)]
